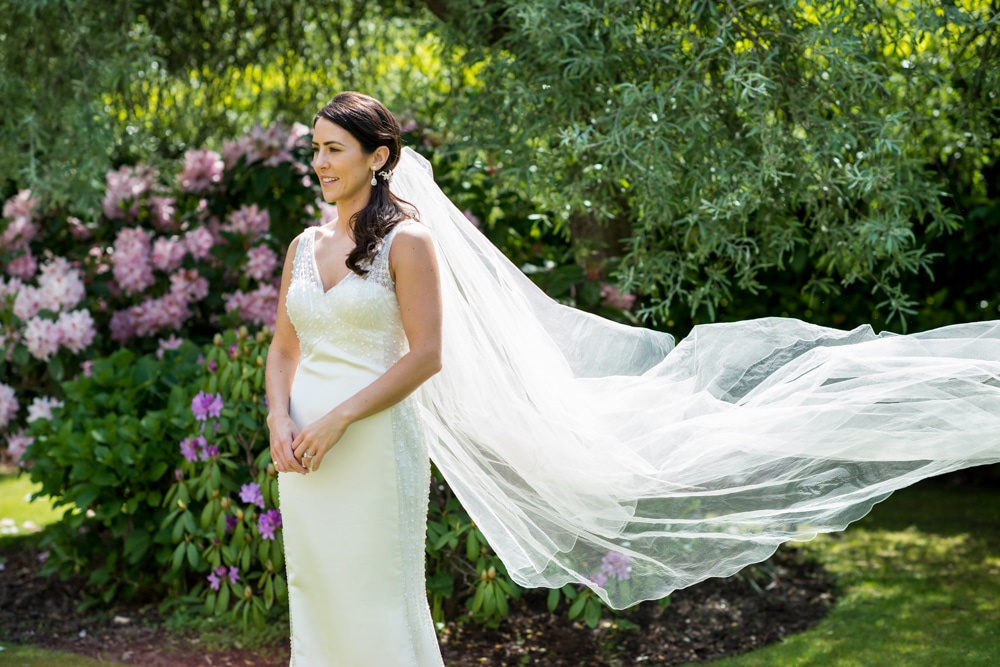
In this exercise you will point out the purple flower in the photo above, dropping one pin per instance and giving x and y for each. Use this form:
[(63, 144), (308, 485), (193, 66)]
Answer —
[(268, 522), (234, 351), (216, 576), (599, 579), (209, 452), (231, 523), (250, 494), (616, 565), (212, 366), (178, 473), (206, 405), (188, 450), (234, 573)]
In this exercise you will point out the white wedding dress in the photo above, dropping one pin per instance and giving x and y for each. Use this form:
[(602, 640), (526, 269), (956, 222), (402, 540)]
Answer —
[(354, 530)]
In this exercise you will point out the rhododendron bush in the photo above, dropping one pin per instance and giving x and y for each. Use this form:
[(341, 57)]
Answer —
[(168, 257)]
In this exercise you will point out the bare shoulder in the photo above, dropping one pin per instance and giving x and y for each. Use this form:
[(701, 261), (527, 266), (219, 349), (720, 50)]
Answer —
[(412, 249), (412, 240)]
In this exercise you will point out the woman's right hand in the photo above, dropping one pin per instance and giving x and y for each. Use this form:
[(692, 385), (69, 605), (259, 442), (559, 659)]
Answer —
[(283, 433)]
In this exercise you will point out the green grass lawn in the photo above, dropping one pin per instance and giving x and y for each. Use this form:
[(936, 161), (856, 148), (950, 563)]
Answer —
[(919, 582), (919, 579)]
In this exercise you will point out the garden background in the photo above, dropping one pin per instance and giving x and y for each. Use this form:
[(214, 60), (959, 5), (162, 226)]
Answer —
[(657, 163)]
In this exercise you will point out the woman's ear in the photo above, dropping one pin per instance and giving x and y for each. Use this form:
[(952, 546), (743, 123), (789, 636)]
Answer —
[(381, 157)]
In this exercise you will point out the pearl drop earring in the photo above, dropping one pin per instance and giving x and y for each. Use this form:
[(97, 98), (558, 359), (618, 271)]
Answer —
[(374, 181)]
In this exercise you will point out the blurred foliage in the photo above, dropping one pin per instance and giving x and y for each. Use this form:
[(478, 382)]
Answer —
[(89, 84), (742, 146), (721, 160)]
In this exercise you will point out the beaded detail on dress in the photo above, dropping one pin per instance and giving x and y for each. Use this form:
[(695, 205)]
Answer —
[(360, 313)]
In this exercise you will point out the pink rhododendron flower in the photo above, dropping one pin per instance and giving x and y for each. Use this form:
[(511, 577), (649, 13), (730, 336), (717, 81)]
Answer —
[(169, 311), (28, 303), (249, 221), (272, 145), (42, 338), (189, 285), (41, 408), (168, 253), (257, 307), (615, 298), (87, 367), (21, 229), (130, 262), (77, 228), (327, 212), (124, 187), (161, 212), (10, 288), (199, 242), (23, 266), (17, 443), (261, 263), (76, 330), (202, 169), (471, 217), (122, 326), (60, 283), (8, 405), (165, 344)]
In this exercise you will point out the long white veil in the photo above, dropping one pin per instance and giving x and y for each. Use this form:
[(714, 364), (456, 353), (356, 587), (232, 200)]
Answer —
[(592, 452)]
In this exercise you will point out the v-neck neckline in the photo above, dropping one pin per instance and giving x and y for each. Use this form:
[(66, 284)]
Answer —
[(319, 276)]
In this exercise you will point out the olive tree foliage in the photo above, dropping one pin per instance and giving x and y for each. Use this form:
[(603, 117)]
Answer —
[(714, 144), (89, 84)]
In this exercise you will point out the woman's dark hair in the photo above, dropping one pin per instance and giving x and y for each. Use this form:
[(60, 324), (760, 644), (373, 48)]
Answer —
[(368, 121)]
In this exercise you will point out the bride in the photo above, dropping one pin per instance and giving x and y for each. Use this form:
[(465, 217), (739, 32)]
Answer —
[(585, 450)]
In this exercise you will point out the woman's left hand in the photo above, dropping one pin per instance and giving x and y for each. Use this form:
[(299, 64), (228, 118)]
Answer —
[(316, 439)]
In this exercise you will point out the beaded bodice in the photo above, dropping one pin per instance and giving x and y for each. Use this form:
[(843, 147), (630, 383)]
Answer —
[(359, 315)]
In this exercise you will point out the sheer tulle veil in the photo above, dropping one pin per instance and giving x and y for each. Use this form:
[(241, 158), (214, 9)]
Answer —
[(595, 453)]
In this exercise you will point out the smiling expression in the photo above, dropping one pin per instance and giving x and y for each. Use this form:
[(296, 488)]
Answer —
[(343, 167)]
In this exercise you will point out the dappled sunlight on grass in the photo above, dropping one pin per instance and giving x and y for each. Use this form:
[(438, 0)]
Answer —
[(918, 587), (16, 510)]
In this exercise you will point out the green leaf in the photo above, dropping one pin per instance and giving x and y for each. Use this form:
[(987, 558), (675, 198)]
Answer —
[(553, 600), (576, 608)]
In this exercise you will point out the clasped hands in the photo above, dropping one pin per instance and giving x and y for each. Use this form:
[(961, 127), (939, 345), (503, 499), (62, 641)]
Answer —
[(303, 451)]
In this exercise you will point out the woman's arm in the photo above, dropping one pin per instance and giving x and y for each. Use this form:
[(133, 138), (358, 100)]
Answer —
[(282, 360), (415, 271)]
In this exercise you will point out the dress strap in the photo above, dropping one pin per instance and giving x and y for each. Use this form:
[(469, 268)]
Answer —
[(303, 266), (379, 268)]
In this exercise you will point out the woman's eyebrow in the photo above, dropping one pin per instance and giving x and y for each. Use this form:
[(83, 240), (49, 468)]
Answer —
[(328, 143)]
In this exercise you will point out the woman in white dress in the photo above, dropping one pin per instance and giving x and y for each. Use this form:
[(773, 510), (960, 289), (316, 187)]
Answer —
[(358, 329), (586, 451)]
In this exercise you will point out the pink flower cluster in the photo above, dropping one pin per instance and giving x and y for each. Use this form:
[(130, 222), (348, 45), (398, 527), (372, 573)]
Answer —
[(18, 234), (17, 443), (168, 253), (60, 288), (8, 405), (125, 186), (259, 306), (202, 169), (261, 263), (41, 408), (131, 262), (615, 298), (272, 145), (249, 221)]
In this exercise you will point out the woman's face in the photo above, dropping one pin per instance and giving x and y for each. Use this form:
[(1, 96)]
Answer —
[(343, 168)]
